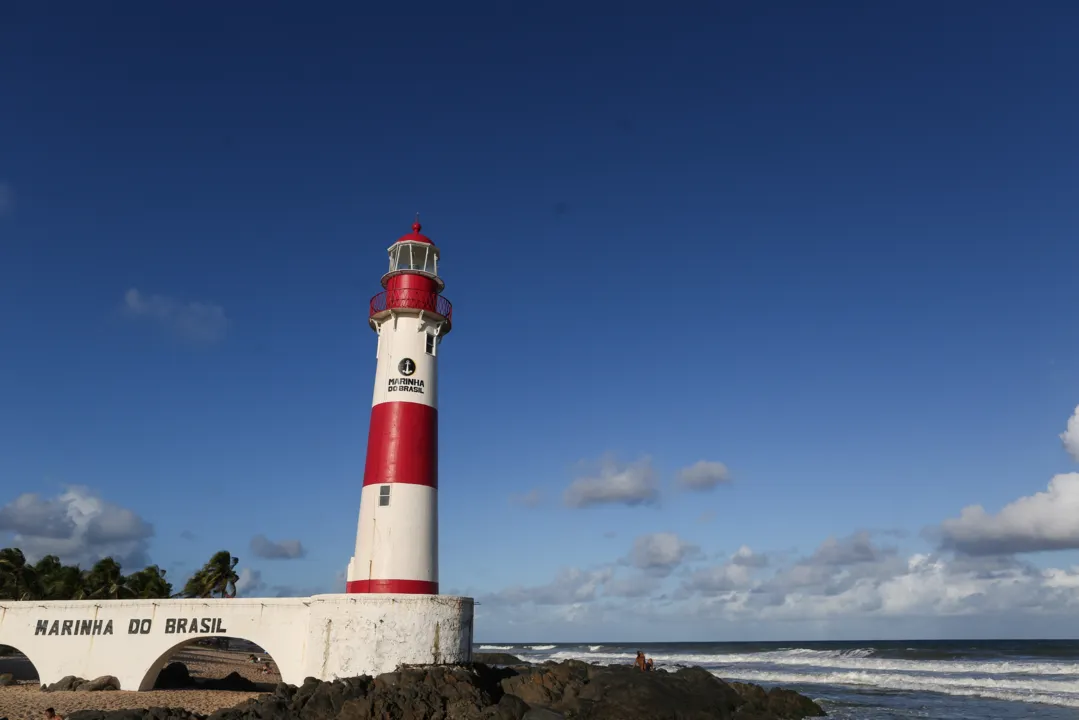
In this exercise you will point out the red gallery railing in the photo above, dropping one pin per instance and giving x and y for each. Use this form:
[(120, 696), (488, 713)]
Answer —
[(412, 298)]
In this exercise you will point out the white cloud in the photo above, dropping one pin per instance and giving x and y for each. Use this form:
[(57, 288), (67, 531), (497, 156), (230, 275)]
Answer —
[(703, 475), (263, 547), (1070, 436), (78, 526), (660, 553), (193, 321), (615, 484), (571, 585), (850, 582), (250, 583), (747, 558), (1044, 521)]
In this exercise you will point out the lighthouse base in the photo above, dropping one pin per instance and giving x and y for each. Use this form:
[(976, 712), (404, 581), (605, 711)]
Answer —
[(324, 636)]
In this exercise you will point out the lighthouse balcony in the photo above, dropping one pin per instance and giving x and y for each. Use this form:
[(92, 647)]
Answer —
[(428, 301)]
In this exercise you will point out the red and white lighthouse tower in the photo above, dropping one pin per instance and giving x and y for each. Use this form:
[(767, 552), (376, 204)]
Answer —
[(397, 539)]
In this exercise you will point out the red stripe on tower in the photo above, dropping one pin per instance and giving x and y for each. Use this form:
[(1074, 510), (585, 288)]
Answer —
[(412, 587), (402, 445)]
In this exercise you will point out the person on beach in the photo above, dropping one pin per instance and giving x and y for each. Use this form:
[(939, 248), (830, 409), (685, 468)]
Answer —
[(641, 663), (50, 714), (650, 665)]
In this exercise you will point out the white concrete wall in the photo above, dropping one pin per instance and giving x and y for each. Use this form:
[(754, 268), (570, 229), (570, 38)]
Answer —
[(325, 636)]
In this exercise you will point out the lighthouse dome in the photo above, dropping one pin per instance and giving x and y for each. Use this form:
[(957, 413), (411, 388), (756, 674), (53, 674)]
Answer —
[(415, 235)]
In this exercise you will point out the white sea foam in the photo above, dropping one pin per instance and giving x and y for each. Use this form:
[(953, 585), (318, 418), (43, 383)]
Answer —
[(1012, 680), (541, 647), (496, 647), (842, 660), (1049, 692)]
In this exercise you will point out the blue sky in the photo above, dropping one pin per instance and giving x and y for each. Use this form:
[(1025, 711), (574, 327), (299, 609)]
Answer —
[(827, 252)]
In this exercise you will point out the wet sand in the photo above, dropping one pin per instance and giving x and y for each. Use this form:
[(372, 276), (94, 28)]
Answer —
[(25, 701)]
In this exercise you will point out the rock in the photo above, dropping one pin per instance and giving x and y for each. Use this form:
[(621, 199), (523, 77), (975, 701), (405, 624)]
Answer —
[(552, 691), (232, 681), (5, 680), (510, 707), (103, 683), (543, 714), (64, 684), (774, 703), (497, 659), (173, 676)]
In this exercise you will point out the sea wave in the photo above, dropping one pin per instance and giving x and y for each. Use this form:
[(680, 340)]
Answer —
[(496, 647), (541, 647), (858, 659), (1048, 692)]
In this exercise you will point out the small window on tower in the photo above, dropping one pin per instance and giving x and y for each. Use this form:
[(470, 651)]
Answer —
[(431, 344), (384, 496)]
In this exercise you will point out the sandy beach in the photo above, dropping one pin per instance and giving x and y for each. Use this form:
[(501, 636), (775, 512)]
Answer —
[(25, 701)]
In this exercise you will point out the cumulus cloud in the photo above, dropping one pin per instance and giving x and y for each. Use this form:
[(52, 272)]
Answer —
[(263, 547), (1070, 436), (843, 581), (615, 484), (853, 585), (250, 583), (660, 553), (1047, 520), (78, 526), (532, 498), (747, 558), (703, 475), (192, 321), (571, 585)]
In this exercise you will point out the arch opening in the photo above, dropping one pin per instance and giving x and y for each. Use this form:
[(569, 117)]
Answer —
[(19, 666), (214, 663)]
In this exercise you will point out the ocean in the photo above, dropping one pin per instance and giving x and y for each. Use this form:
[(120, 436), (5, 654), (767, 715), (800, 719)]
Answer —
[(941, 680)]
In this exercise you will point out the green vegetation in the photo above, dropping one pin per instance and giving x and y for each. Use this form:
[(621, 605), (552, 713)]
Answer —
[(49, 579)]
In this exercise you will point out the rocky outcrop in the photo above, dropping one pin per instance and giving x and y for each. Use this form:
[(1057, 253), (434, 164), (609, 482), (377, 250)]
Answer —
[(175, 676), (77, 684), (497, 659), (569, 690)]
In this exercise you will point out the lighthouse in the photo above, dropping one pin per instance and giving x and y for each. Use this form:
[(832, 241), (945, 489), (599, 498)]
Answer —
[(397, 537)]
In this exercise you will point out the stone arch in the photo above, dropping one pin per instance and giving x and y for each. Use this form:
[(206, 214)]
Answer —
[(149, 678), (16, 661)]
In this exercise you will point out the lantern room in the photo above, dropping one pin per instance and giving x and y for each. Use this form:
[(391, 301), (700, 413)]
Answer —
[(414, 254)]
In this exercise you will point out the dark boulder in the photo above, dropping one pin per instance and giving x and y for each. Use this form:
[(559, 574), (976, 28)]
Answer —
[(232, 681), (174, 676), (64, 684), (568, 690)]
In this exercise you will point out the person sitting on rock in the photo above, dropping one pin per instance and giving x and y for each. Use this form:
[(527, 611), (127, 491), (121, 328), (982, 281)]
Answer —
[(50, 714), (641, 663), (650, 665)]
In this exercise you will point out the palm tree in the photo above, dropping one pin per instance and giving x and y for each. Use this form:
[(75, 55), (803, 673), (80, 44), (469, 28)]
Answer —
[(106, 581), (150, 583), (216, 577), (17, 578)]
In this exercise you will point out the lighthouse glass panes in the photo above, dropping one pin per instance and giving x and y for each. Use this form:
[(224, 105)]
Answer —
[(417, 257), (384, 496)]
